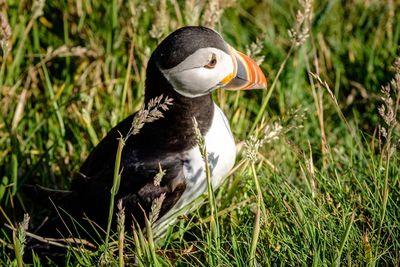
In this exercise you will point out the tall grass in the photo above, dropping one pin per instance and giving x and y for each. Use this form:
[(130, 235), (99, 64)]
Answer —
[(317, 177)]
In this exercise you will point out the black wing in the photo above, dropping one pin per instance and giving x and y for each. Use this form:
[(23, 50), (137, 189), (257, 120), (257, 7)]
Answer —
[(91, 188)]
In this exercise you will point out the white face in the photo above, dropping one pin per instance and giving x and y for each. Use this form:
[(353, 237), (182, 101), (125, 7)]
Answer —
[(201, 72)]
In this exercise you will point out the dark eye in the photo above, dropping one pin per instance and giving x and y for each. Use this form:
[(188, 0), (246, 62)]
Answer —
[(212, 63)]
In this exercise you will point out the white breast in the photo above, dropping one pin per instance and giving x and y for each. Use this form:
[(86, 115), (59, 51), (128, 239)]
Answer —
[(221, 158)]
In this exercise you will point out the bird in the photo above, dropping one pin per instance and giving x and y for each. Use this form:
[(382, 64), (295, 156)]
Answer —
[(185, 68)]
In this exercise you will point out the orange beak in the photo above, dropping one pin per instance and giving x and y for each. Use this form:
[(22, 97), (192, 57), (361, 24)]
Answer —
[(247, 74)]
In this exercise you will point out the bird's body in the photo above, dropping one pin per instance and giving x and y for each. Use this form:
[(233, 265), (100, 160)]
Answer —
[(179, 156), (185, 67), (221, 158)]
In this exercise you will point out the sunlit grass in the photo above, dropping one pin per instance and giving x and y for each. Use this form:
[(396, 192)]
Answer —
[(317, 177)]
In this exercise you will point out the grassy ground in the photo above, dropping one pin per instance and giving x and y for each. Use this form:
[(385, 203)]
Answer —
[(317, 178)]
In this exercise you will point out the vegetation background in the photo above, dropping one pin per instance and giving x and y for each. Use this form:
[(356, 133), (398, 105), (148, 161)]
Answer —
[(317, 178)]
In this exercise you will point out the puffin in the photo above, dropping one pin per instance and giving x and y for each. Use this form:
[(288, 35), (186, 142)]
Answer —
[(185, 68)]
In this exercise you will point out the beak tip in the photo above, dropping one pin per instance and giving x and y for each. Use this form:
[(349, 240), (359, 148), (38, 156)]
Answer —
[(248, 75), (263, 84)]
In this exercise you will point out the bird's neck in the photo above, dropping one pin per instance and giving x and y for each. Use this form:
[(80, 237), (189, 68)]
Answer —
[(177, 124)]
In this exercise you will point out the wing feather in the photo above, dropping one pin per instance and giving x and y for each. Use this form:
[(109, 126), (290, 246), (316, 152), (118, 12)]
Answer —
[(91, 187)]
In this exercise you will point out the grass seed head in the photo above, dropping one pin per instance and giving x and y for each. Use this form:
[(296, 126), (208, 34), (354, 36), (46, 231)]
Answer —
[(120, 216), (154, 111), (199, 139), (389, 109), (212, 13), (37, 8), (271, 132), (252, 146), (161, 173), (21, 232), (301, 30), (156, 208), (106, 258), (5, 34), (324, 84), (160, 25), (192, 11), (255, 50), (388, 112)]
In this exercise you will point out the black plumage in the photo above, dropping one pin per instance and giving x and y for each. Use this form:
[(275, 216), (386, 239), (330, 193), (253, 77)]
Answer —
[(184, 67), (161, 142)]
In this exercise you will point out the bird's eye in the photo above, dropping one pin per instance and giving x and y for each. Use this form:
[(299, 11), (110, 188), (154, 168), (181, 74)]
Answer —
[(213, 61)]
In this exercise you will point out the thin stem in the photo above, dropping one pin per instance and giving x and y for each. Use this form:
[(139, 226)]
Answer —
[(271, 89), (344, 239), (2, 70), (121, 238), (257, 219), (127, 82), (115, 187), (213, 209), (17, 250), (385, 192), (21, 45), (150, 239), (138, 249)]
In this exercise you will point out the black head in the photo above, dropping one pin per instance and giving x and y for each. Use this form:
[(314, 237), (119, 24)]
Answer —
[(192, 61), (183, 42)]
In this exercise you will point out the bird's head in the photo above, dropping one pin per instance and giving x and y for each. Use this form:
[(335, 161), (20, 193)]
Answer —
[(196, 60)]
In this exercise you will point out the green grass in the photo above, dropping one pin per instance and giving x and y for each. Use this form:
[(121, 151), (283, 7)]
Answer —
[(329, 189)]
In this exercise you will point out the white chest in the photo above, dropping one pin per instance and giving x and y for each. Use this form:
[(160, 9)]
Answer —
[(221, 158)]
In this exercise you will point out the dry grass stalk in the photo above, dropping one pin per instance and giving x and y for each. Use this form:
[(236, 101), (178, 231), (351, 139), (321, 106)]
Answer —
[(106, 258), (21, 231), (192, 11), (161, 22), (136, 11), (390, 19), (19, 238), (19, 110), (271, 132), (298, 35), (152, 112), (161, 173), (5, 43), (319, 105), (301, 30), (212, 13), (258, 220), (65, 51), (211, 198), (389, 110), (255, 50), (326, 86), (37, 8), (121, 232), (156, 208), (199, 138), (157, 203), (5, 34), (253, 144), (58, 242), (386, 110)]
